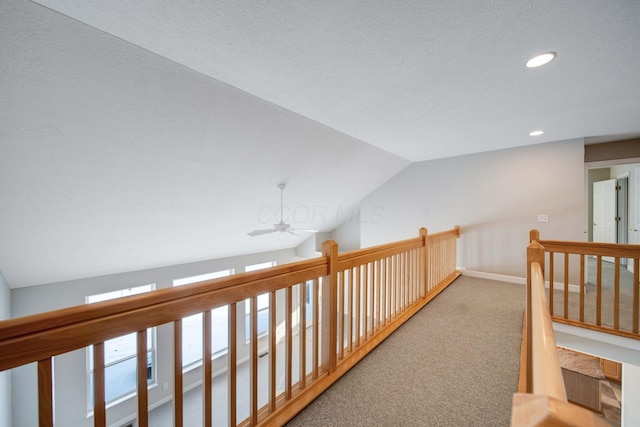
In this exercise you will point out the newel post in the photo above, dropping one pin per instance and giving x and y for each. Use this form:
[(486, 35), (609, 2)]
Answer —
[(534, 236), (330, 307), (535, 253), (424, 262)]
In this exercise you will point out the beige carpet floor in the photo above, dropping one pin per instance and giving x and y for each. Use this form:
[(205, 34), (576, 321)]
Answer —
[(455, 363)]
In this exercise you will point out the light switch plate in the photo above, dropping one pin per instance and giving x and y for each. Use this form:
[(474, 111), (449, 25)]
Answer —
[(543, 217)]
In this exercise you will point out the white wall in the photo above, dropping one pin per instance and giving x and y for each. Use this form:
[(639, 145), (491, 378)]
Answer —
[(630, 395), (348, 234), (5, 376), (69, 381), (495, 198)]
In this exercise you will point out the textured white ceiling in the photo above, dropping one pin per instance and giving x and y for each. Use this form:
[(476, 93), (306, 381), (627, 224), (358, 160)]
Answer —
[(421, 79), (137, 134)]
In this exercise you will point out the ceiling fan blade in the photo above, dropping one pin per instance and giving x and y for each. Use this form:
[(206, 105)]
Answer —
[(281, 227), (304, 230), (262, 231)]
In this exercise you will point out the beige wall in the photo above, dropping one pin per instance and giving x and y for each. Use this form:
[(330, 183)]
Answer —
[(495, 198)]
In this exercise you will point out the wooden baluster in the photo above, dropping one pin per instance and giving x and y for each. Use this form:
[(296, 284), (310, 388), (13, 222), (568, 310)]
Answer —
[(376, 284), (582, 285), (365, 302), (253, 358), (352, 311), (424, 264), (439, 260), (551, 283), (405, 271), (45, 392), (616, 294), (566, 285), (409, 273), (416, 272), (206, 371), (373, 293), (358, 304), (396, 285), (316, 328), (303, 335), (380, 291), (288, 344), (401, 282), (99, 404), (178, 398), (143, 398), (273, 350), (388, 266), (341, 314), (382, 294), (391, 286), (599, 291), (433, 263), (232, 353)]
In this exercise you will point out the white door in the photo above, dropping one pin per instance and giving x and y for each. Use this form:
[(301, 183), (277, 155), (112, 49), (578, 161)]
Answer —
[(634, 220), (604, 212)]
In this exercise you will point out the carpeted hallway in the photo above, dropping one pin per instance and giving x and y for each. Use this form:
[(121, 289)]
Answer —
[(455, 363)]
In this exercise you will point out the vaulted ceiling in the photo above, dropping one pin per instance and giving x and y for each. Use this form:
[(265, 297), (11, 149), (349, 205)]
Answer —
[(149, 133)]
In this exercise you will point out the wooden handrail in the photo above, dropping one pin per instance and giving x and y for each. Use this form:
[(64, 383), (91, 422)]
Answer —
[(547, 375), (606, 316), (16, 327), (542, 400), (376, 289)]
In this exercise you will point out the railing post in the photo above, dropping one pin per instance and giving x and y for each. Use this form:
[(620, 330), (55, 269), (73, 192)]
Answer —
[(330, 307), (535, 253)]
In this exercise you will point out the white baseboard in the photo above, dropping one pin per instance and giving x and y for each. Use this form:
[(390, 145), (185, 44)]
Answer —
[(512, 279), (492, 276)]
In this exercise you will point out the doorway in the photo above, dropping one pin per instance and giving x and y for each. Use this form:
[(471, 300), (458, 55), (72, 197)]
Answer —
[(614, 204)]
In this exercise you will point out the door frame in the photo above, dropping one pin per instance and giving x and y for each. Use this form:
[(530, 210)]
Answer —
[(588, 201)]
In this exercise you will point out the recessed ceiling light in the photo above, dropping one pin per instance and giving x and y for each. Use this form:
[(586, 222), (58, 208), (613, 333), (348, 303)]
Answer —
[(536, 133), (539, 60)]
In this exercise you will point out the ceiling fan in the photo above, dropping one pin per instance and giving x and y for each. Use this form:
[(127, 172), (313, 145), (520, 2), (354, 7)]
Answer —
[(281, 226)]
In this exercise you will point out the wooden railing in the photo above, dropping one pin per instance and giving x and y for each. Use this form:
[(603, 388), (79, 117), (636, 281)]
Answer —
[(541, 399), (605, 294), (357, 300)]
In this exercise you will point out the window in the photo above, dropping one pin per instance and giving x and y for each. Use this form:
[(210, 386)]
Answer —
[(120, 354), (263, 304), (192, 325)]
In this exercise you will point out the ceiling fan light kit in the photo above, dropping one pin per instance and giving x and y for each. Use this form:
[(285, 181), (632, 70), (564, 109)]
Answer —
[(281, 226)]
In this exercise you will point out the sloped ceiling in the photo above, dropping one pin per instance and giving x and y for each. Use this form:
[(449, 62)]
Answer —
[(150, 133)]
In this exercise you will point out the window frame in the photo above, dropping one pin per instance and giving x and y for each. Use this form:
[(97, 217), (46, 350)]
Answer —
[(262, 300), (188, 365), (110, 361)]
